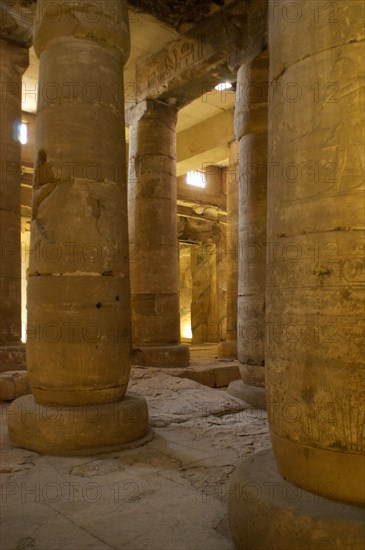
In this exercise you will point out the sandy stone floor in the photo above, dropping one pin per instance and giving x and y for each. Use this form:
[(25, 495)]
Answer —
[(170, 494)]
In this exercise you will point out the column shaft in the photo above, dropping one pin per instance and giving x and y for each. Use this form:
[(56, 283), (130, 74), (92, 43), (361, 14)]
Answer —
[(153, 237), (79, 322), (315, 309), (13, 62), (221, 268), (78, 289), (228, 348), (251, 131)]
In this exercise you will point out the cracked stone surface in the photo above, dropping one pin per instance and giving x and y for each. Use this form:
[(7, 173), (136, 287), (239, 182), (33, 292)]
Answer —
[(251, 128), (170, 494), (84, 207), (152, 226)]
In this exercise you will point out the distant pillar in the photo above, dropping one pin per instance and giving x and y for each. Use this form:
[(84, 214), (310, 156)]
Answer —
[(13, 62), (228, 347), (79, 326), (204, 293), (221, 268), (153, 237), (251, 131)]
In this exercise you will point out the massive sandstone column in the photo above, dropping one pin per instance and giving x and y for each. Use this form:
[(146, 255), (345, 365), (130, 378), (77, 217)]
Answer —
[(79, 335), (316, 270), (13, 62), (221, 270), (228, 347), (315, 353), (154, 249), (251, 132), (204, 293)]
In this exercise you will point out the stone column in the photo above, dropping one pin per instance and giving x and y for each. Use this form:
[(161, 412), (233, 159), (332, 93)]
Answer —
[(311, 489), (212, 326), (228, 348), (316, 269), (221, 269), (13, 62), (200, 293), (204, 304), (79, 329), (153, 237), (185, 291), (251, 132)]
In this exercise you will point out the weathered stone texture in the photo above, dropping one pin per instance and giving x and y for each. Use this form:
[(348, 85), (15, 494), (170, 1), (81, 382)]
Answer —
[(191, 65), (185, 291), (16, 20), (204, 305), (78, 305), (228, 348), (274, 514), (80, 431), (178, 12), (221, 281), (251, 131), (13, 62), (315, 273), (13, 384), (79, 322), (153, 228)]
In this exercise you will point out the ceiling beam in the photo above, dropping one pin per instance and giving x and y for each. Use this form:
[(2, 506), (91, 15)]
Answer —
[(193, 64)]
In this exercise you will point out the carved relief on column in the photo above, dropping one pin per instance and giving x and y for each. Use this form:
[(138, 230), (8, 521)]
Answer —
[(228, 348), (315, 273), (79, 322), (251, 131)]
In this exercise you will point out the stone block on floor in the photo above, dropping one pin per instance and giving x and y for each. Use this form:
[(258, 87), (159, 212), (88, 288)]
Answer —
[(13, 384)]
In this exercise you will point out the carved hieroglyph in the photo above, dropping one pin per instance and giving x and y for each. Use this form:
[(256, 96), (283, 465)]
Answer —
[(315, 255)]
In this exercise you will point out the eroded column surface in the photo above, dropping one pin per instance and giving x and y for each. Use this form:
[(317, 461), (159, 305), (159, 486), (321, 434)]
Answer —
[(79, 323), (13, 62), (228, 348), (221, 270), (204, 293), (153, 237), (251, 132), (200, 275), (185, 286), (315, 299)]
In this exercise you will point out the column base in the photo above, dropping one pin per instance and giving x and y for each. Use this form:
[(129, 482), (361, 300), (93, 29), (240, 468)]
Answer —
[(316, 470), (265, 511), (252, 395), (13, 384), (12, 357), (252, 375), (161, 356), (79, 431), (227, 349)]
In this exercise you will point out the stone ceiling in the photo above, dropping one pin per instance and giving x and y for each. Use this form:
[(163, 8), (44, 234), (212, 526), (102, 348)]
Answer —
[(178, 13)]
